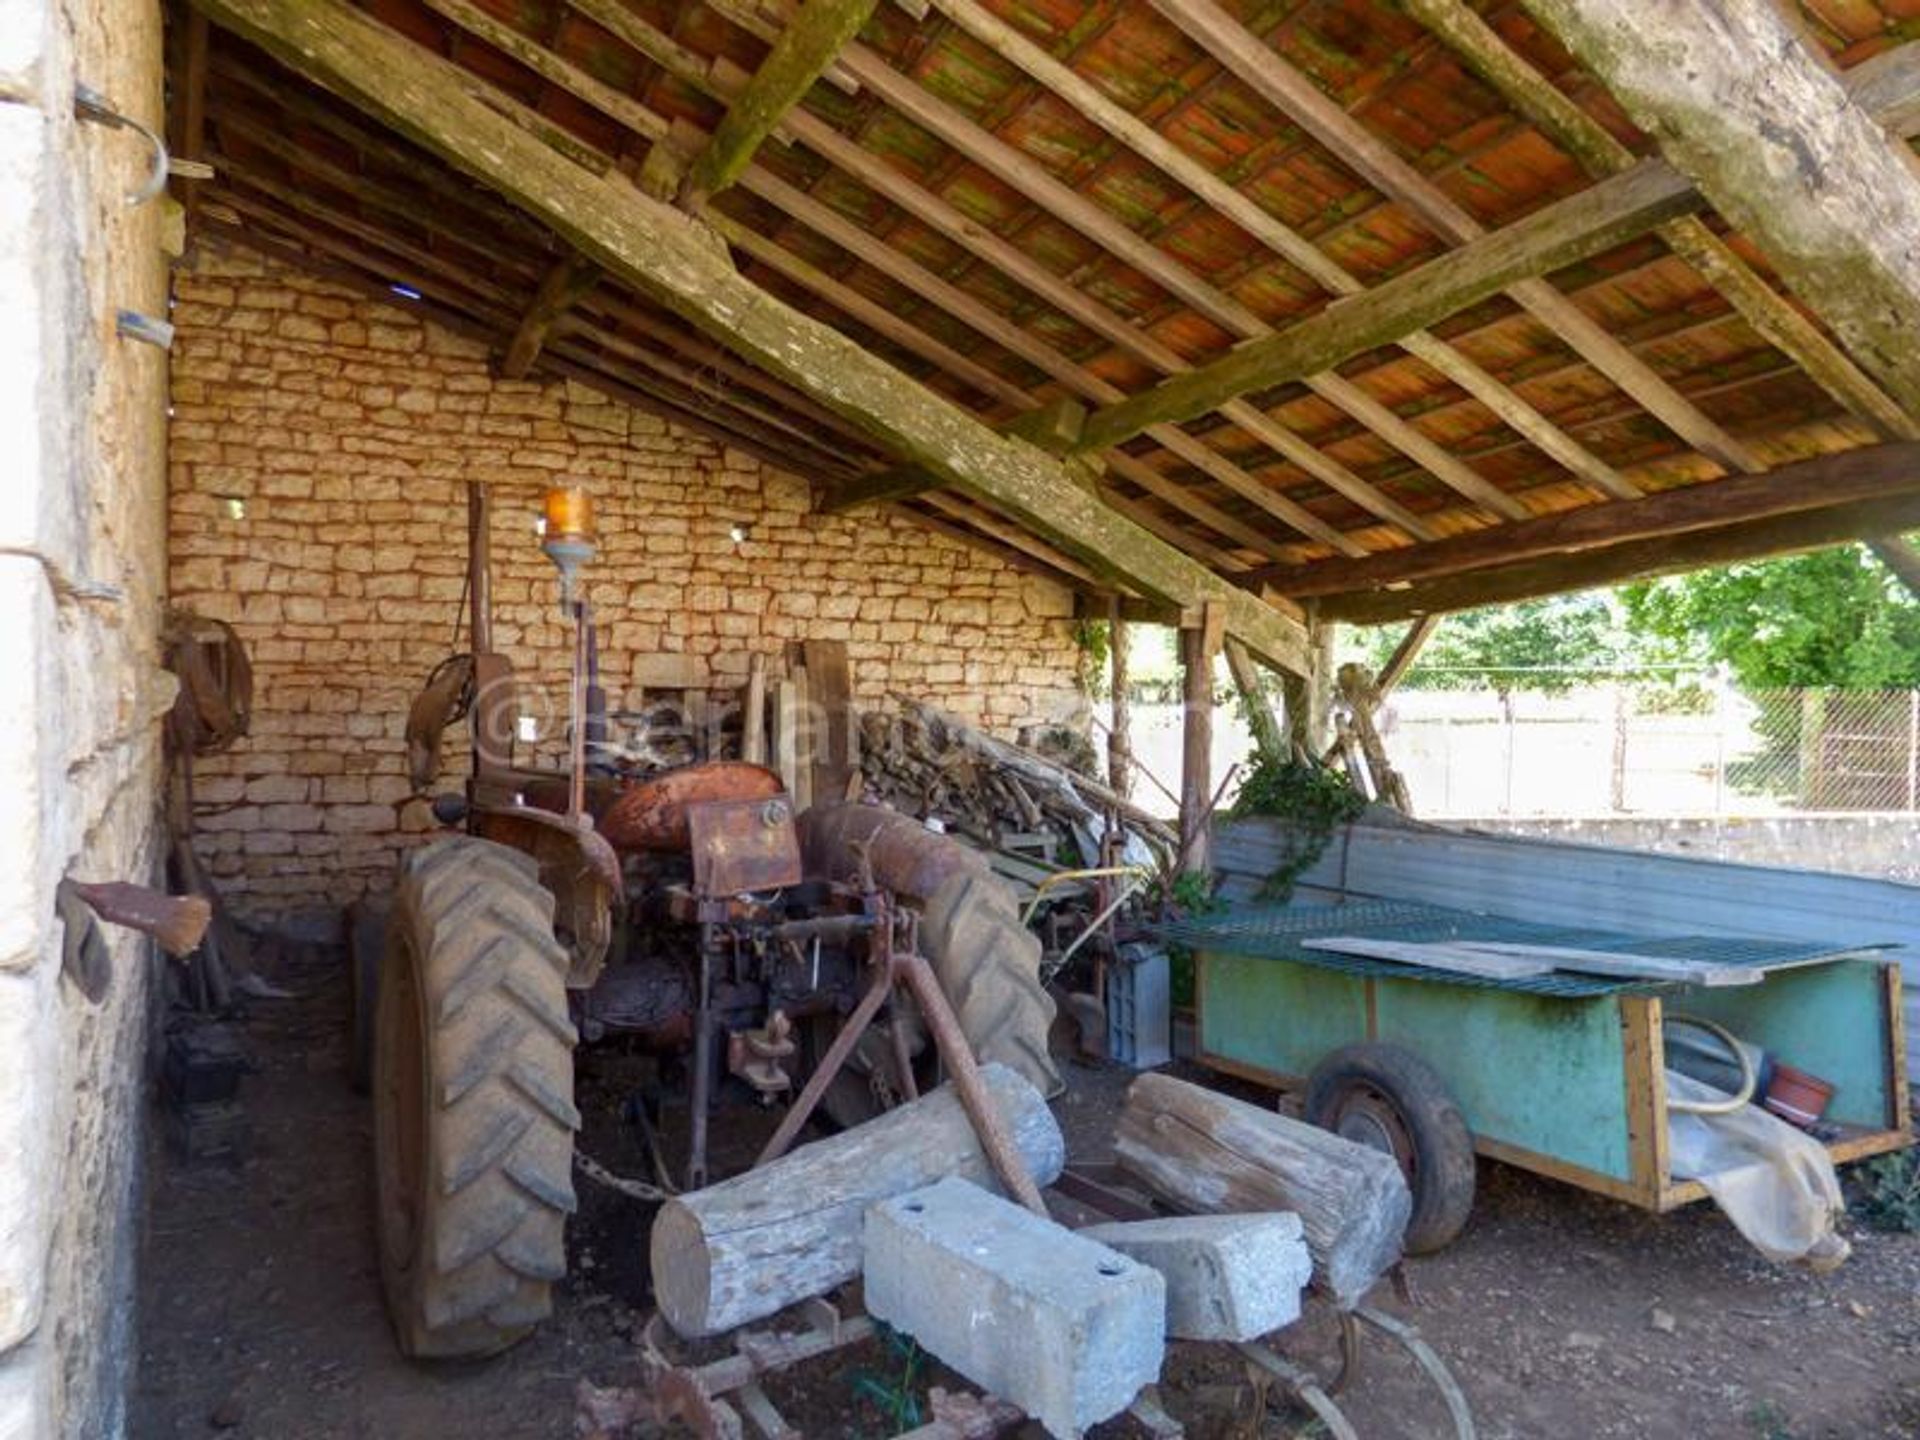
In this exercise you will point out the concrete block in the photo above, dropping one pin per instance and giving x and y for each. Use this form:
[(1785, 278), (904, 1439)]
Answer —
[(1229, 1277), (1037, 1315)]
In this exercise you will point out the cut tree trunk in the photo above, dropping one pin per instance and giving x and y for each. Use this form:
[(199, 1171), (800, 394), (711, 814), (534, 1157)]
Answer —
[(747, 1247), (1208, 1152)]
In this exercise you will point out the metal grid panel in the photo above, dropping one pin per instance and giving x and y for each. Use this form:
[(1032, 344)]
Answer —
[(1275, 933)]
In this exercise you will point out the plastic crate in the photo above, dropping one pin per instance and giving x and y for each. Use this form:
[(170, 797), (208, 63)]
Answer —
[(1140, 1007)]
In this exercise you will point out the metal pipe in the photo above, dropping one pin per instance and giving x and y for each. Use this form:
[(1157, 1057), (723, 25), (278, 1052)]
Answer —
[(802, 1108), (480, 567), (577, 748)]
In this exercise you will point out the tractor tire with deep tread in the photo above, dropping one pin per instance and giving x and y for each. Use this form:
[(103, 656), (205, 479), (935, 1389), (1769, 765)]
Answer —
[(473, 1101), (1388, 1098), (988, 966)]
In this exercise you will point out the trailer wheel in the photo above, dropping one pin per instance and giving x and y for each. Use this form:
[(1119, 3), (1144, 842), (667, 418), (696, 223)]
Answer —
[(473, 1101), (1389, 1099)]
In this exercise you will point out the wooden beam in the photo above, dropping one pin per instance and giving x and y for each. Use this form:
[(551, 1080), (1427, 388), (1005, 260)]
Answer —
[(1611, 212), (1274, 233), (1774, 318), (1295, 95), (1005, 554), (1901, 559), (1198, 647), (1260, 717), (881, 487), (1565, 233), (565, 285), (1738, 101), (1405, 653), (1872, 472), (1037, 352), (810, 43), (1557, 575), (679, 263), (1033, 180)]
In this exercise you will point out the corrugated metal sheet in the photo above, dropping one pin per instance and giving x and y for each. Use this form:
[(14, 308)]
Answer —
[(1559, 882)]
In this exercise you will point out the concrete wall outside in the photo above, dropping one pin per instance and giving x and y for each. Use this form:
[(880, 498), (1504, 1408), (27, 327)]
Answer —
[(82, 571), (342, 431)]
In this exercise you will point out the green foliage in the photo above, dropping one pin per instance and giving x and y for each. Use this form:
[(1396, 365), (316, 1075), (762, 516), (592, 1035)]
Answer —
[(1094, 640), (1314, 800), (1887, 1191), (1830, 619), (1546, 645), (893, 1396), (1190, 894)]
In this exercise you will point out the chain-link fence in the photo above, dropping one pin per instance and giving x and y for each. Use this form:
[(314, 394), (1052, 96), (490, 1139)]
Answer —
[(1676, 748)]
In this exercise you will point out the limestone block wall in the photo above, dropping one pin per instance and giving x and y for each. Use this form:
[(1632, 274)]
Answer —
[(320, 445), (82, 571)]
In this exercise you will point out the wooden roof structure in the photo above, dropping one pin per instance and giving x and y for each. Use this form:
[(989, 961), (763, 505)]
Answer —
[(1291, 307)]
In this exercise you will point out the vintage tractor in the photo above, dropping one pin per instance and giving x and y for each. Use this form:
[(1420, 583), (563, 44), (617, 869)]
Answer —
[(689, 907)]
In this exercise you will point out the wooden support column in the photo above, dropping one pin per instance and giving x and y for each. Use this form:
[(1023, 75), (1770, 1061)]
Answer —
[(1739, 101), (1307, 694), (565, 285), (681, 263), (809, 45), (1246, 678), (1901, 558), (1199, 645), (1120, 731)]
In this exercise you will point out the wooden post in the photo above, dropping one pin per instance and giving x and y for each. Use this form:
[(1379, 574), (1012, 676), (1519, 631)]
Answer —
[(1305, 695), (1120, 732), (753, 722), (1246, 678), (1198, 646)]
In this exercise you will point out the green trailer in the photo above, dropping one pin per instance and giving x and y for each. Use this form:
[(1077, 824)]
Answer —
[(1563, 1074)]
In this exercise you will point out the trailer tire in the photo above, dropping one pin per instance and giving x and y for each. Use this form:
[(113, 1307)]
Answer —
[(473, 1101), (1388, 1098), (988, 966)]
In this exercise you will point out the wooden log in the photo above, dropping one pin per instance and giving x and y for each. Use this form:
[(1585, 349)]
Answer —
[(753, 722), (747, 1247), (1210, 1153)]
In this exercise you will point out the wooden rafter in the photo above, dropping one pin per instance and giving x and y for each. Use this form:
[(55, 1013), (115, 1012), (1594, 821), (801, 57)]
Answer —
[(1564, 233), (721, 80), (1296, 96), (563, 287), (1737, 101), (1559, 574), (1279, 237), (804, 52), (679, 263), (1873, 472), (1064, 203), (1772, 316)]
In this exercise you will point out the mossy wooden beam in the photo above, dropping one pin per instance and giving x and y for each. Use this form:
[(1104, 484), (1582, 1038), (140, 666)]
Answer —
[(1873, 472), (1562, 234), (1613, 211), (1667, 554), (882, 487), (1737, 100), (1296, 95), (680, 263), (1776, 319), (568, 283), (808, 46)]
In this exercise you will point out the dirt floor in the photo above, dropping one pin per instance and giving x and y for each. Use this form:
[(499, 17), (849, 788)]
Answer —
[(1564, 1315)]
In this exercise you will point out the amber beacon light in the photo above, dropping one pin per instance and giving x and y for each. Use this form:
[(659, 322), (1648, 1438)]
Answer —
[(568, 535)]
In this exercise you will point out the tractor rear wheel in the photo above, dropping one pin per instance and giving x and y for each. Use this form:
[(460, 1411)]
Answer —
[(988, 966), (473, 1101)]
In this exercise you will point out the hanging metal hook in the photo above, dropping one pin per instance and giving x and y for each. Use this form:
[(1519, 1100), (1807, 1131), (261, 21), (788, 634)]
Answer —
[(90, 104)]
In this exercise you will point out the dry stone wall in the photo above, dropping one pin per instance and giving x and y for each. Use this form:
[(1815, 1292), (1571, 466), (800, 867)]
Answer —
[(320, 445)]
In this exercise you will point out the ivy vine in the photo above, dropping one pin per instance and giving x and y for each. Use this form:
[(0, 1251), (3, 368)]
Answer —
[(1313, 800)]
